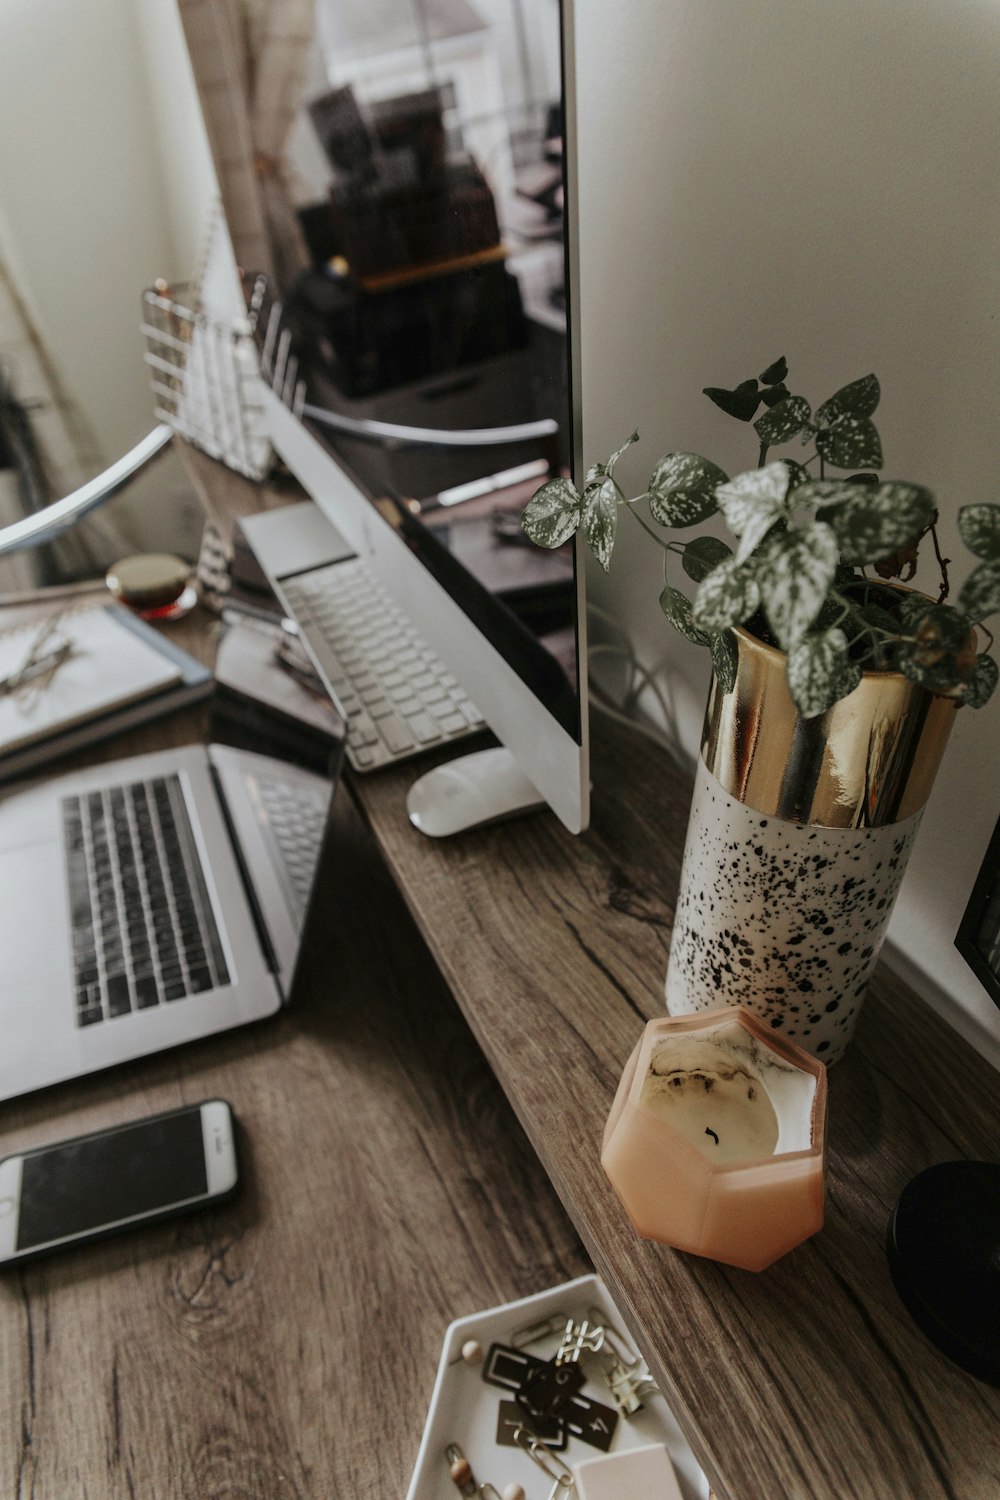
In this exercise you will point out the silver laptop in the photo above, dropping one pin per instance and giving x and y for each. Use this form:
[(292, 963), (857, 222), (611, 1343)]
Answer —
[(147, 902)]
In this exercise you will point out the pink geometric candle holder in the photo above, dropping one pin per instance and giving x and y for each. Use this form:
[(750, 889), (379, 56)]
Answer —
[(715, 1140)]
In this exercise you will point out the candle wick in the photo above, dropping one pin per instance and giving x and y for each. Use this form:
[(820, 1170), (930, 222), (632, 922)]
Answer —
[(712, 1133)]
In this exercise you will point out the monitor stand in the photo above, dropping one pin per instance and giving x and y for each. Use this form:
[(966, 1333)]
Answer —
[(483, 787)]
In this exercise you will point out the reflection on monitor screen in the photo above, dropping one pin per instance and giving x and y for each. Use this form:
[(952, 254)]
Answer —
[(417, 342)]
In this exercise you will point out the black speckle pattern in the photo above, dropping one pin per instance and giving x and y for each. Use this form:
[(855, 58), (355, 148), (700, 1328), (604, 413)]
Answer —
[(785, 920)]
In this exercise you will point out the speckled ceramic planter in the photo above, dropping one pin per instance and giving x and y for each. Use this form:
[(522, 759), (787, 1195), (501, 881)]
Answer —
[(797, 844)]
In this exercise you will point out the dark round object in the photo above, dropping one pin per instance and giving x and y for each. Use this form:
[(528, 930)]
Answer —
[(154, 584), (944, 1255)]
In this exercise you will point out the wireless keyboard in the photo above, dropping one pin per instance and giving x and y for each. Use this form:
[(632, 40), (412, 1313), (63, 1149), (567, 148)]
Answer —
[(395, 693)]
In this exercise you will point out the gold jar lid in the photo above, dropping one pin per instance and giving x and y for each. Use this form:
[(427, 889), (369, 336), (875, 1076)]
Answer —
[(149, 581)]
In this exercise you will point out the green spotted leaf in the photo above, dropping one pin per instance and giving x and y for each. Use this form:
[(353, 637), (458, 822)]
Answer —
[(740, 403), (937, 677), (913, 608), (936, 646), (825, 492), (980, 593), (858, 399), (677, 608), (798, 475), (853, 443), (752, 503), (682, 489), (873, 523), (728, 596), (783, 421), (725, 659), (600, 519), (979, 528), (702, 554), (634, 438), (794, 572), (979, 689), (820, 672), (553, 513)]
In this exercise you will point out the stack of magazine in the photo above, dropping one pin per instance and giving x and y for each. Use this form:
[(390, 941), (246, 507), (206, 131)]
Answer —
[(72, 680)]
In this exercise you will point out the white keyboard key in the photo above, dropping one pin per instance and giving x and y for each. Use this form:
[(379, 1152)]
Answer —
[(395, 735), (424, 728), (454, 724)]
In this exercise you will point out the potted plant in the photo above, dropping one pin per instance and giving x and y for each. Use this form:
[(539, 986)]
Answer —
[(833, 691)]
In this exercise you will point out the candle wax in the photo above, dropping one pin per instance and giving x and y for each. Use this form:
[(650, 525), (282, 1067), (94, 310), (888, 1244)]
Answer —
[(705, 1095)]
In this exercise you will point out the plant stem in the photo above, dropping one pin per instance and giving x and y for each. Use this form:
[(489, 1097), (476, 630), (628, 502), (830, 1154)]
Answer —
[(846, 607), (942, 561), (644, 524), (876, 633)]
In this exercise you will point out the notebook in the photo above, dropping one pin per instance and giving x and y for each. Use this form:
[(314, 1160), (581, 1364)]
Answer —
[(111, 671), (148, 902)]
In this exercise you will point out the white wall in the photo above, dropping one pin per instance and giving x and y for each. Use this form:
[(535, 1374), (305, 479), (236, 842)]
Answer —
[(104, 185), (187, 184), (819, 180), (81, 198)]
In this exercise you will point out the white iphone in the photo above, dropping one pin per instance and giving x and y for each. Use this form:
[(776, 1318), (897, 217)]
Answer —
[(94, 1185)]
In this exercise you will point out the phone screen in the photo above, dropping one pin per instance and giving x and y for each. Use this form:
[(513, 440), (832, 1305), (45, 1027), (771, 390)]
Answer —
[(119, 1174)]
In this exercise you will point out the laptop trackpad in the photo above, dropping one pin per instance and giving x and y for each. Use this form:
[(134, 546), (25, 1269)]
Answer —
[(36, 995), (294, 539), (33, 934)]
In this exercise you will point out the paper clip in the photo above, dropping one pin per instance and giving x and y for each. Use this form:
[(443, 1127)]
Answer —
[(460, 1470), (585, 1337), (531, 1334), (550, 1463), (628, 1378)]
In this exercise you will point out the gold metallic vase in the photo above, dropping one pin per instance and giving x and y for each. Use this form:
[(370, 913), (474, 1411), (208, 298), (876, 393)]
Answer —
[(799, 836), (870, 759)]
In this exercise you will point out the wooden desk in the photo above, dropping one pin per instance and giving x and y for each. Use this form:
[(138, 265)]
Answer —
[(286, 1345)]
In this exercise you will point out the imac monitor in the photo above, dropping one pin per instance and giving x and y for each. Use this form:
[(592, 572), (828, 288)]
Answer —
[(419, 355)]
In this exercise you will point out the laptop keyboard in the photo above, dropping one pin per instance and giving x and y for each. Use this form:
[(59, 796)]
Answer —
[(397, 696), (293, 827), (143, 931)]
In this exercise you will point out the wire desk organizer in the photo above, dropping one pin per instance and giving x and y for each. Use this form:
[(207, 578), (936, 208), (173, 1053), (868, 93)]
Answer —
[(205, 377)]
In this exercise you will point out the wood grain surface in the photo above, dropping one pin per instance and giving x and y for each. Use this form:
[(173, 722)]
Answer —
[(808, 1380)]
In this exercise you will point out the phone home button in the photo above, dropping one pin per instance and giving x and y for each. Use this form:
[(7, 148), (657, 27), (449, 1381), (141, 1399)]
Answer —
[(6, 1207)]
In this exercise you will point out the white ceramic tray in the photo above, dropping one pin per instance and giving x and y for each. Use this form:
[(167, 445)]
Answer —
[(464, 1407)]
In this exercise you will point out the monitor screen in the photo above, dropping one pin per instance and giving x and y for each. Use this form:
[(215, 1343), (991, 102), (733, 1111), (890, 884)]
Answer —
[(420, 330)]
